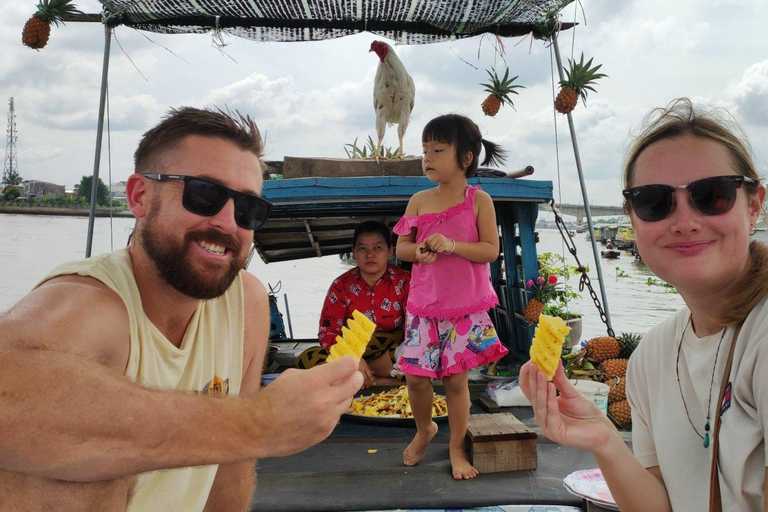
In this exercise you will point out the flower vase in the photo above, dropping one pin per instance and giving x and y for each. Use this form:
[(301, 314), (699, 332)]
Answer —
[(575, 334)]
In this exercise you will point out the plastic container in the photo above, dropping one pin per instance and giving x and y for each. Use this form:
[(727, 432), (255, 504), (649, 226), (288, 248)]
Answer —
[(596, 391), (268, 377)]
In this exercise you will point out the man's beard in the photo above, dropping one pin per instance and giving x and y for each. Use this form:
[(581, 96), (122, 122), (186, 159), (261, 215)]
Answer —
[(174, 264)]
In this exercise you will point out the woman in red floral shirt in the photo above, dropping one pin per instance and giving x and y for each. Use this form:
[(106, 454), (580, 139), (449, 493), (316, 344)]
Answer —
[(376, 289)]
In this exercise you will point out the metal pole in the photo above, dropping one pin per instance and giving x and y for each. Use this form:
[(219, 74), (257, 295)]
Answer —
[(583, 189), (99, 132)]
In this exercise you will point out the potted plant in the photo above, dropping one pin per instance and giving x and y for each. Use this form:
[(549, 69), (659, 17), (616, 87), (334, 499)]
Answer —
[(562, 298)]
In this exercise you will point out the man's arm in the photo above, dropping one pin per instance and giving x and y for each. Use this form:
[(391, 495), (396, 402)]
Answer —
[(233, 486), (66, 415)]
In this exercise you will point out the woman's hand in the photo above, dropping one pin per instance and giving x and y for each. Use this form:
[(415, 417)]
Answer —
[(570, 419), (368, 377), (439, 243), (424, 254)]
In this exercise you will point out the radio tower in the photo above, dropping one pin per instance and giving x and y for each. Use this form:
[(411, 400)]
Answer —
[(10, 169)]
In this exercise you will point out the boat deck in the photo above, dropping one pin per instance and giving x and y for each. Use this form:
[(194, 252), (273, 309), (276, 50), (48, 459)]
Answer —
[(341, 474)]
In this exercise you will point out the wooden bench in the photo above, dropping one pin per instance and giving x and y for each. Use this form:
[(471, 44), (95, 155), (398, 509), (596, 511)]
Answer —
[(500, 442)]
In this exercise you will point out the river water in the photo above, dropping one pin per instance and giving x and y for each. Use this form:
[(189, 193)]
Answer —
[(31, 245)]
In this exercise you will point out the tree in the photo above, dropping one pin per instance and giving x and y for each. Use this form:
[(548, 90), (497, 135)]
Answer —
[(84, 190), (12, 177)]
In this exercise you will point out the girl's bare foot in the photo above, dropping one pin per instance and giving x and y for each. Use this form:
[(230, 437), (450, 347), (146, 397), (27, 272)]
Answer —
[(462, 469), (418, 447)]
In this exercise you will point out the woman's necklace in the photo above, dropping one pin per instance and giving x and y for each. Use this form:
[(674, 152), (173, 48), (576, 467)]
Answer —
[(705, 437)]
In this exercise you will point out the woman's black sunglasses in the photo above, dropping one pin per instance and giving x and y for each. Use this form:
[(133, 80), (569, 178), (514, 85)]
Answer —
[(207, 198), (711, 196)]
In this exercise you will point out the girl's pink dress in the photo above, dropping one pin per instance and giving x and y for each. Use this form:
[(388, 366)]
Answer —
[(447, 328)]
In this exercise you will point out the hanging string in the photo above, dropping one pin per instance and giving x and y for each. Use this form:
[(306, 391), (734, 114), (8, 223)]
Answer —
[(557, 159), (217, 39)]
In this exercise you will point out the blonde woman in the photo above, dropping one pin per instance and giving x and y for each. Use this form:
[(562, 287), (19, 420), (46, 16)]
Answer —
[(694, 197)]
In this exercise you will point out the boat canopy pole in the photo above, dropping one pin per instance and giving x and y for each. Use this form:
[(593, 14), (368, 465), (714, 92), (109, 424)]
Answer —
[(99, 133), (583, 189)]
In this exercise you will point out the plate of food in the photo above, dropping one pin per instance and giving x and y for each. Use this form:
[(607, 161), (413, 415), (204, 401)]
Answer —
[(498, 373), (391, 408), (590, 485)]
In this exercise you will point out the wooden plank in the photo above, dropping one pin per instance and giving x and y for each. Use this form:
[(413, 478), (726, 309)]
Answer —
[(297, 167), (497, 427), (504, 456), (489, 405)]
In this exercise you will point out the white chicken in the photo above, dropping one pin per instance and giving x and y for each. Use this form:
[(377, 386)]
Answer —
[(393, 94)]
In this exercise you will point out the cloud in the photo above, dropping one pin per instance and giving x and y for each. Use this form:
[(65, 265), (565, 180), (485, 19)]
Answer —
[(750, 94)]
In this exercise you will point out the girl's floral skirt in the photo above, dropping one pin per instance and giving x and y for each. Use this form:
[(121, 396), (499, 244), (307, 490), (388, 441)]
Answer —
[(436, 347)]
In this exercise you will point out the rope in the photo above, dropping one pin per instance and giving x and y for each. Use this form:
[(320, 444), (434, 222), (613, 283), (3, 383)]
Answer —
[(584, 279)]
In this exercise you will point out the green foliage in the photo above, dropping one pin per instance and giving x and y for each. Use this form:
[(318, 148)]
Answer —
[(620, 273), (554, 264), (12, 178), (668, 288), (10, 194), (368, 148), (83, 190)]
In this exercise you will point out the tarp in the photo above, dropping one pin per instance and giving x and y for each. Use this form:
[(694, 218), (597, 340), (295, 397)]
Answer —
[(403, 21)]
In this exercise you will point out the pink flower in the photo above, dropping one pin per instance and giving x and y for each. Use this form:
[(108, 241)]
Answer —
[(540, 280), (552, 279), (529, 283)]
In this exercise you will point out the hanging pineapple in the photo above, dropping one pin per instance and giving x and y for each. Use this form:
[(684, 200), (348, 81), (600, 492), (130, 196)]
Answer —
[(580, 79), (37, 30), (499, 90)]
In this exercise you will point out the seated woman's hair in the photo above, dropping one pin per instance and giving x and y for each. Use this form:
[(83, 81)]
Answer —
[(372, 226)]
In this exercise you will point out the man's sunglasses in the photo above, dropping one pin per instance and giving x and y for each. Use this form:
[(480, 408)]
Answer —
[(207, 198), (711, 196)]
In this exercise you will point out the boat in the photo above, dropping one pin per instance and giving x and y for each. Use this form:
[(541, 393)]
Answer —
[(610, 254), (360, 466), (316, 217)]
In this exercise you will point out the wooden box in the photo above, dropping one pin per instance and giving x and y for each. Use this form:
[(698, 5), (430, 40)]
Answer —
[(500, 442), (297, 167)]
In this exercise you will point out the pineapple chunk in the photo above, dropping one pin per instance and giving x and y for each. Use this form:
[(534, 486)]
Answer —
[(354, 338), (364, 322), (547, 345)]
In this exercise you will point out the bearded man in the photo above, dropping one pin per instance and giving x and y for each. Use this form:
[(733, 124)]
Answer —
[(130, 380)]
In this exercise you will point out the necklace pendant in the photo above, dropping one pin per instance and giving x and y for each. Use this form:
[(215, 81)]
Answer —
[(706, 440)]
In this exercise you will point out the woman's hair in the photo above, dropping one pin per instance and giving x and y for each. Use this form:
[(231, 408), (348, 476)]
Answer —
[(680, 118), (465, 135), (373, 227)]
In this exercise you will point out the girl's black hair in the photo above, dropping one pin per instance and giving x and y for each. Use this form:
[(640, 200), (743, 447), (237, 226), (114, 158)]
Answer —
[(372, 226), (462, 132)]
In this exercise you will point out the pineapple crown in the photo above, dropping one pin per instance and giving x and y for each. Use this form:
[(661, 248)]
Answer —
[(53, 11), (580, 76), (502, 87), (543, 288)]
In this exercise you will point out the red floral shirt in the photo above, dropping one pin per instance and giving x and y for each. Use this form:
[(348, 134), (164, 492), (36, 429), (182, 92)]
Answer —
[(384, 304)]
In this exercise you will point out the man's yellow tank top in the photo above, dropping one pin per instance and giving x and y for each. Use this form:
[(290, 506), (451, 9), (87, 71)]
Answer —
[(209, 361)]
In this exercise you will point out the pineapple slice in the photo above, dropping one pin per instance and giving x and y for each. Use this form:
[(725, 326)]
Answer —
[(354, 338), (547, 345)]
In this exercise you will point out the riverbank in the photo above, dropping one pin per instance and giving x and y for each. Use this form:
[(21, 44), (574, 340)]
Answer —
[(68, 212)]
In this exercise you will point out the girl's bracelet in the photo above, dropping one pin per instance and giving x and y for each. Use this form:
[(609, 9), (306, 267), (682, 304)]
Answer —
[(452, 248)]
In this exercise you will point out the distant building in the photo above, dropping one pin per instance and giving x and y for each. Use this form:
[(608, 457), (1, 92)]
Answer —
[(117, 190), (36, 188)]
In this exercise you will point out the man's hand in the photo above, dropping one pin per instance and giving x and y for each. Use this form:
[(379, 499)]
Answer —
[(301, 407), (368, 378)]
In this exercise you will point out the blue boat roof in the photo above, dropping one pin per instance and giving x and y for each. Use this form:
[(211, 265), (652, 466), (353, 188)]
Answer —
[(317, 216)]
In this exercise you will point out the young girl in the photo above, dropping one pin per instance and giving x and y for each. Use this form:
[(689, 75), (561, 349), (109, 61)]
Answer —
[(694, 196), (450, 232)]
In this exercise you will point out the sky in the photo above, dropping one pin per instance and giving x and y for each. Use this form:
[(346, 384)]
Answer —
[(310, 99)]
